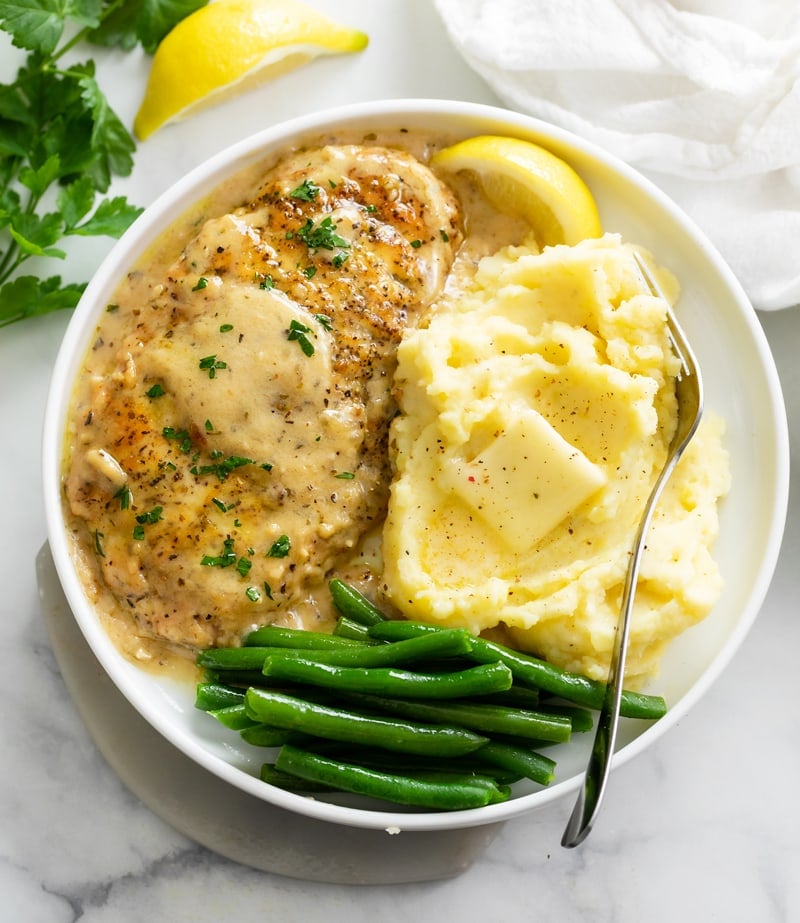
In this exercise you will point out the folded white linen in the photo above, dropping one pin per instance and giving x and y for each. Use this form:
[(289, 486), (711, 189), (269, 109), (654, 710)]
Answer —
[(702, 96)]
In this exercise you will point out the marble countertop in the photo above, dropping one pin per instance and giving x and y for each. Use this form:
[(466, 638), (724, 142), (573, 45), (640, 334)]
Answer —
[(700, 827)]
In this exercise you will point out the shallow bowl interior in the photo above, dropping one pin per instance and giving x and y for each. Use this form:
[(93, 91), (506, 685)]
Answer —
[(741, 385)]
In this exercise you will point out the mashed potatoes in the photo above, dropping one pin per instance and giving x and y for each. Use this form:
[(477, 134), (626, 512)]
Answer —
[(537, 408)]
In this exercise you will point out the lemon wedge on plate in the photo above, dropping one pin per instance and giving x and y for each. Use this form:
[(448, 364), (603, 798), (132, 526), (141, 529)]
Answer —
[(229, 45), (521, 178)]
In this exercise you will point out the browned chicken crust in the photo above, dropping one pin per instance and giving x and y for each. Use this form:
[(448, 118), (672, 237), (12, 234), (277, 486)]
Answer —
[(232, 447)]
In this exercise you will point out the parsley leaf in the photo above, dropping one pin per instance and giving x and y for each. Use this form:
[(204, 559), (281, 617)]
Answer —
[(142, 21), (61, 143)]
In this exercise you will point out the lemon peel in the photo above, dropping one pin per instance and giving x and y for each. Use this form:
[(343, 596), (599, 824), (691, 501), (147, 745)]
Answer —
[(229, 45), (524, 179)]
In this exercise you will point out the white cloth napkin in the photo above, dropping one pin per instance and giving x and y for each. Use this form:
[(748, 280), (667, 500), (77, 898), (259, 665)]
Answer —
[(702, 96)]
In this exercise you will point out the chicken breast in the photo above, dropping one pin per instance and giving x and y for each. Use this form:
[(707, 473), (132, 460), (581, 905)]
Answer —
[(229, 449)]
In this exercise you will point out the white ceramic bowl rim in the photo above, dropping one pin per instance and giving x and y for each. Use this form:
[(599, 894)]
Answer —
[(483, 119)]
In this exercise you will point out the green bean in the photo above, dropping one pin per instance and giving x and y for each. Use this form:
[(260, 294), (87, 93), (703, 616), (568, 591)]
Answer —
[(353, 604), (291, 783), (234, 717), (515, 697), (527, 763), (232, 658), (297, 638), (538, 673), (335, 723), (449, 643), (405, 763), (350, 628), (571, 686), (487, 719), (485, 678), (235, 679), (216, 695), (580, 718), (440, 795), (264, 735)]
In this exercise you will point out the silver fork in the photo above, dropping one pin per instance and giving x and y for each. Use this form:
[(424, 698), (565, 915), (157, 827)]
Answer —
[(689, 392)]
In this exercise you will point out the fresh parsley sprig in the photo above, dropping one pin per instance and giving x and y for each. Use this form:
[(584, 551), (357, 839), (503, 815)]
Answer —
[(61, 143)]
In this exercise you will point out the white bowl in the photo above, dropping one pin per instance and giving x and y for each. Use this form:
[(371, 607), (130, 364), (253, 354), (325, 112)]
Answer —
[(741, 385)]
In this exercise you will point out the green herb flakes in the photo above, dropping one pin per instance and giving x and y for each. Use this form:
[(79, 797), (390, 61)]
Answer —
[(307, 191), (156, 391), (297, 331), (280, 547), (124, 496), (211, 364), (226, 558), (322, 236), (151, 516), (182, 437), (223, 468)]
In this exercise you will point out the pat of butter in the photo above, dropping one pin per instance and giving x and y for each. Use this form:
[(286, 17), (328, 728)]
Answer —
[(527, 479)]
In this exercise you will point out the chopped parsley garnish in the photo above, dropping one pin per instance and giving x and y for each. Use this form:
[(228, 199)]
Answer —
[(371, 209), (243, 565), (182, 437), (307, 191), (222, 468), (267, 282), (416, 244), (339, 260), (444, 235), (280, 547), (345, 475), (98, 543), (253, 594), (324, 321), (226, 558), (111, 308), (322, 236), (202, 282), (225, 328), (209, 426), (156, 391), (210, 364), (138, 533), (268, 590), (219, 504), (309, 272), (124, 496), (298, 331), (150, 517)]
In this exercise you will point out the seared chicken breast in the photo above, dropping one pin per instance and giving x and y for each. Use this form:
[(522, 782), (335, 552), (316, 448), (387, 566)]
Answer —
[(230, 451)]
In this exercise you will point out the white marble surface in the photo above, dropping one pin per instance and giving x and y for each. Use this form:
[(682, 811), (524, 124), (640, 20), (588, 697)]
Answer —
[(701, 827)]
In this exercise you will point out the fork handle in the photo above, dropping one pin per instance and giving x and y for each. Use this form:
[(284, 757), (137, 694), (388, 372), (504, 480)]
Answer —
[(599, 766)]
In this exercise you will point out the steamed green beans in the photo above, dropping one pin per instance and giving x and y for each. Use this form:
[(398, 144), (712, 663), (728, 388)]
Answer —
[(489, 677), (418, 714), (531, 671), (438, 792), (285, 711)]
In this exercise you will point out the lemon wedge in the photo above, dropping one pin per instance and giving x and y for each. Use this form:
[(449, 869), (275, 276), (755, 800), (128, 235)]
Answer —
[(521, 178), (229, 45)]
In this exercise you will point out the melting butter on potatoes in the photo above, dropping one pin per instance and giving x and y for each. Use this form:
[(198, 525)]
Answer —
[(537, 407)]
